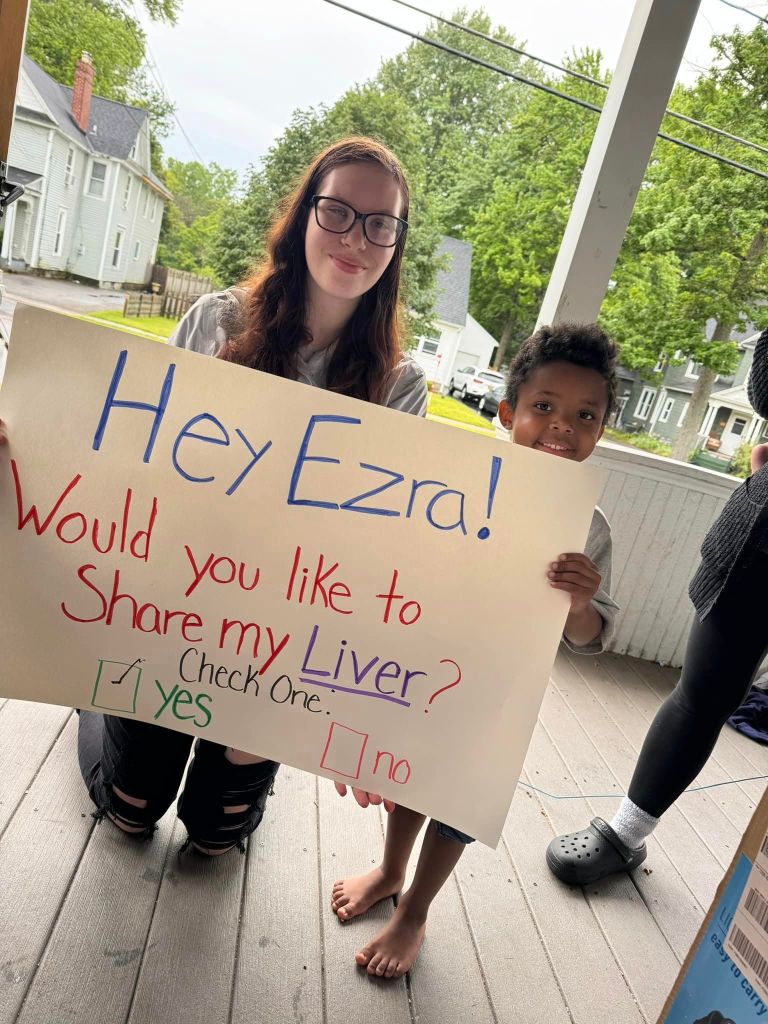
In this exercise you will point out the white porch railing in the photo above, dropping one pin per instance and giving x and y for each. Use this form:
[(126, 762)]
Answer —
[(659, 511)]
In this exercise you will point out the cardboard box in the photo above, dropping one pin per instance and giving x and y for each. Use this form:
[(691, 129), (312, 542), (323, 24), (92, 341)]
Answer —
[(724, 979)]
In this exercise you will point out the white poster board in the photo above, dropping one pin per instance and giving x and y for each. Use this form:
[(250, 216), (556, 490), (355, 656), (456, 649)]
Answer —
[(340, 587)]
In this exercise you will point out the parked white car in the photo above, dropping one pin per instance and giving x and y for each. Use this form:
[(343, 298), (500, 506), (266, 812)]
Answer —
[(473, 382)]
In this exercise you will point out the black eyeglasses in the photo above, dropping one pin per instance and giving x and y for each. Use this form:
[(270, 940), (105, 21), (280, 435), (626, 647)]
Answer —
[(339, 217)]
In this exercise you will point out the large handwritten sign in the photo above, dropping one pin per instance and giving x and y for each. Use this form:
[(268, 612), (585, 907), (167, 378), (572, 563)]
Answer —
[(340, 587)]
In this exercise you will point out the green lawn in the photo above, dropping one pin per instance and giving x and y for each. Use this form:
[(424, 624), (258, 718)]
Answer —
[(151, 326), (452, 409)]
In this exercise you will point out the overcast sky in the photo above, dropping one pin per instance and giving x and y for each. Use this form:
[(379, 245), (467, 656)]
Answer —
[(236, 69)]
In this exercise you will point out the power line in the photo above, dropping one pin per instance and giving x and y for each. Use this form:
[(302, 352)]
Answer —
[(155, 72), (578, 75), (545, 88), (746, 10)]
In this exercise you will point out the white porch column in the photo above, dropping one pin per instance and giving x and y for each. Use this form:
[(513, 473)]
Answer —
[(754, 429), (709, 419), (634, 106)]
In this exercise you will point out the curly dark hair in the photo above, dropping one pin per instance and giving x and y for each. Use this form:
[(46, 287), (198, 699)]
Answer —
[(369, 347), (584, 345)]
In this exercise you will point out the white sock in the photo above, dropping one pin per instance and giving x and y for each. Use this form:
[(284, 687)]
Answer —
[(632, 824)]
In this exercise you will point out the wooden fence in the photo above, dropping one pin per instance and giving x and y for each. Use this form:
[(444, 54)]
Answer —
[(143, 304), (178, 290)]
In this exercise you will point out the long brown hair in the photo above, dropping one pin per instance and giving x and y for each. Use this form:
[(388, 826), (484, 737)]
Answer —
[(276, 294)]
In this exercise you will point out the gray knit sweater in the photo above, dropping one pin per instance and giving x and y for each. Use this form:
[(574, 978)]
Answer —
[(733, 534)]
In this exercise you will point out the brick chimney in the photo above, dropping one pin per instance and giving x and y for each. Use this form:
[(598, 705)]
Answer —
[(82, 91)]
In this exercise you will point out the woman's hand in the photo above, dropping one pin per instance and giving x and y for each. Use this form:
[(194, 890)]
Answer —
[(364, 798), (757, 458)]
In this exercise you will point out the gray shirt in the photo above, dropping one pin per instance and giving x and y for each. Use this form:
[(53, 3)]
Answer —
[(216, 317), (599, 548)]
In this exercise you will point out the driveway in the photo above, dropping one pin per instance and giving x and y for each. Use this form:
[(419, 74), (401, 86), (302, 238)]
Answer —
[(68, 296)]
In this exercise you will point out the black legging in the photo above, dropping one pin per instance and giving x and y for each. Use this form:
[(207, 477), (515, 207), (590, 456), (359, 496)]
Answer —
[(724, 652)]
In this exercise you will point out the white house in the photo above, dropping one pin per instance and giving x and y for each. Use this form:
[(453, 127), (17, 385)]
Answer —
[(92, 207), (458, 339)]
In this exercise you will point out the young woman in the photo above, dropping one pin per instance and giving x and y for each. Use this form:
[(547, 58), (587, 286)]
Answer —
[(323, 308)]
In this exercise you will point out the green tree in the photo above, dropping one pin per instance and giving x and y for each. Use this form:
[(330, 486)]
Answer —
[(695, 251), (519, 197), (58, 31), (363, 110), (462, 106), (191, 222)]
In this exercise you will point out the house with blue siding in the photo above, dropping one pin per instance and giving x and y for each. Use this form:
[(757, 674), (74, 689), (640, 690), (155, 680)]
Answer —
[(658, 406), (92, 207)]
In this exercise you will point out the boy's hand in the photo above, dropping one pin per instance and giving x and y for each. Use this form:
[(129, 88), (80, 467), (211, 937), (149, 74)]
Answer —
[(578, 576), (758, 457), (364, 798)]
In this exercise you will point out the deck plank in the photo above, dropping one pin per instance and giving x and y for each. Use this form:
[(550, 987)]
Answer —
[(575, 941), (510, 947), (666, 892), (634, 936), (448, 980), (279, 979), (39, 856), (103, 928), (40, 725), (189, 961), (351, 842)]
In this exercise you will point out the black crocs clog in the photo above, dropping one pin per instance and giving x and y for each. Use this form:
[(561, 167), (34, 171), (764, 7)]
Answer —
[(583, 857)]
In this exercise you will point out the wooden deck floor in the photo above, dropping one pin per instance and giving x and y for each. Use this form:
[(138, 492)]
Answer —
[(95, 929)]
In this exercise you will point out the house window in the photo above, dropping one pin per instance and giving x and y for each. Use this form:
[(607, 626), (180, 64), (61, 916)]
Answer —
[(117, 248), (659, 364), (154, 207), (644, 405), (692, 370), (69, 167), (738, 426), (136, 250), (127, 193), (430, 342), (61, 223), (146, 203), (666, 409), (683, 413), (98, 179), (132, 154)]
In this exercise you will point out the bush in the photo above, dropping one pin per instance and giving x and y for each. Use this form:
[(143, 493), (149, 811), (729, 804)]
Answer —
[(644, 442), (740, 465)]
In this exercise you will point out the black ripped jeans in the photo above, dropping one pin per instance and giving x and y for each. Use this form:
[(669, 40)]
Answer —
[(147, 762), (723, 654)]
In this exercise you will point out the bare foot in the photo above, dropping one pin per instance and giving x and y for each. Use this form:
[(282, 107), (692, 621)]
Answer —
[(353, 896), (396, 947)]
